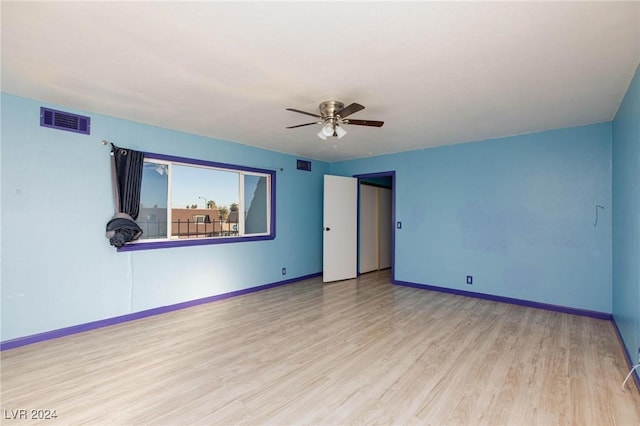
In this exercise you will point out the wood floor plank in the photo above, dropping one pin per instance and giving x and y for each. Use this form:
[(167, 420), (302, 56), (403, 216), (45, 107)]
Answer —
[(360, 351)]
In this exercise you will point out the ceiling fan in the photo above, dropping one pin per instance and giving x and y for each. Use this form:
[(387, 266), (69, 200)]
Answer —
[(333, 116)]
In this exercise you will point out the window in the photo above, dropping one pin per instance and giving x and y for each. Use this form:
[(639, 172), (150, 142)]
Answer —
[(201, 218), (192, 202)]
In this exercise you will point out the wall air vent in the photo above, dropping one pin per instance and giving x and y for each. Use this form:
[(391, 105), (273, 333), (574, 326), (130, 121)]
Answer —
[(304, 165), (64, 121)]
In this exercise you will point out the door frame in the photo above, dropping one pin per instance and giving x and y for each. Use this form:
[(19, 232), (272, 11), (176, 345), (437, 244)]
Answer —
[(392, 175)]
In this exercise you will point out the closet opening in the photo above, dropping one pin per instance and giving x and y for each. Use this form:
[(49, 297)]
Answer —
[(376, 222)]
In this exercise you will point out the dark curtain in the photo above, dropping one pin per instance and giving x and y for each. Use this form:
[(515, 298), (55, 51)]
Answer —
[(128, 169), (127, 182)]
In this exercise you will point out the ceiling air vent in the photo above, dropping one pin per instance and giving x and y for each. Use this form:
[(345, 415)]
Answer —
[(64, 121)]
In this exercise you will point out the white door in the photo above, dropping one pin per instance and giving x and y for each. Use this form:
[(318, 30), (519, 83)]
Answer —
[(340, 250)]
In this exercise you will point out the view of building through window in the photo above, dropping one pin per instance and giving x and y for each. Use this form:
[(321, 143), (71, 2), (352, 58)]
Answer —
[(185, 201)]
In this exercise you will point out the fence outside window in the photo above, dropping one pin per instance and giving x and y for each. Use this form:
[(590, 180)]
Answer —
[(190, 228)]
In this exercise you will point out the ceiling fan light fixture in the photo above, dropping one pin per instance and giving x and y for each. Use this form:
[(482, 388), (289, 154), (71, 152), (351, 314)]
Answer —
[(327, 129), (321, 135), (340, 132)]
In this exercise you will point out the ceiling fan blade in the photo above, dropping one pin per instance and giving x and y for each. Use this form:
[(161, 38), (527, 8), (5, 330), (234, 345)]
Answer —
[(371, 123), (306, 124), (303, 112), (349, 109)]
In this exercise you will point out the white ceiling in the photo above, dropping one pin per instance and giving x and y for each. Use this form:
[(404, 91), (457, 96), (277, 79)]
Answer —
[(436, 73)]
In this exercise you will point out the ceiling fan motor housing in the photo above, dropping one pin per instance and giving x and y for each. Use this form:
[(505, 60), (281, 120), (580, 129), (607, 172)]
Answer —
[(328, 109)]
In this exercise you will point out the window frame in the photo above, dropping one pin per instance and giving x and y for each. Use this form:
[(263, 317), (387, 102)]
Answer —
[(169, 243)]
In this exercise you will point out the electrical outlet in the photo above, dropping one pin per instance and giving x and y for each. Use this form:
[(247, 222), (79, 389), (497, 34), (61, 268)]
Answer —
[(469, 279), (284, 271)]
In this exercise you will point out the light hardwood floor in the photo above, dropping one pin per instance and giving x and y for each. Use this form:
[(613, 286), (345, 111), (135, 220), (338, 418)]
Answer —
[(353, 352)]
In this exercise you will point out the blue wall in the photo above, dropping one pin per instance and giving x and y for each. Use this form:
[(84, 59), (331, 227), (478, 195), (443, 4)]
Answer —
[(626, 218), (58, 268), (516, 213)]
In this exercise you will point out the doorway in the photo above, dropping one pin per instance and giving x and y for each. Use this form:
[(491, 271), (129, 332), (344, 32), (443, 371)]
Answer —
[(376, 222)]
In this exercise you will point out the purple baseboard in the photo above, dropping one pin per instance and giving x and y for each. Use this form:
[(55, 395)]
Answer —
[(521, 302), (80, 328), (627, 355)]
